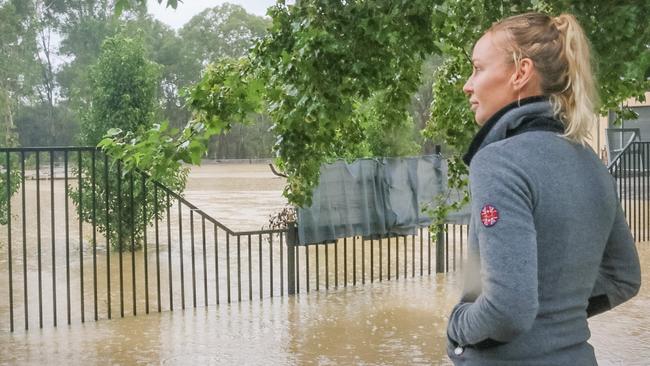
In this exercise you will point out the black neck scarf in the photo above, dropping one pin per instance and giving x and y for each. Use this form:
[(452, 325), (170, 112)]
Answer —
[(529, 114)]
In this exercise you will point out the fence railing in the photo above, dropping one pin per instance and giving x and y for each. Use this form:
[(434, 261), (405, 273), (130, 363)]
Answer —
[(361, 260), (630, 170), (72, 247)]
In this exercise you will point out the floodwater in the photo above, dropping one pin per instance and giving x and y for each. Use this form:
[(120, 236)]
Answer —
[(389, 323), (241, 196)]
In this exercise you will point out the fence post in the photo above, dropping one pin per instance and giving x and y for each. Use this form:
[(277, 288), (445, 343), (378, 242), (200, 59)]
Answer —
[(440, 238), (440, 249), (292, 239)]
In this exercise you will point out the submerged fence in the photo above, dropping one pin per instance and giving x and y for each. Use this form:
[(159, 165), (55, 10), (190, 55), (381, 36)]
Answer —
[(71, 248)]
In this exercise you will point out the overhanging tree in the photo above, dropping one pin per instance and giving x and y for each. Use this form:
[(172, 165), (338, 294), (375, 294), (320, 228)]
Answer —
[(322, 57)]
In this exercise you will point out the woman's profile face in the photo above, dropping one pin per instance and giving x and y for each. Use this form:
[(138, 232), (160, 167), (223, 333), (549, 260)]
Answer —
[(490, 87)]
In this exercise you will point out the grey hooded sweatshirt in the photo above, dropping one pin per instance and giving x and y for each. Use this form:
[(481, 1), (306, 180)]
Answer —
[(548, 246)]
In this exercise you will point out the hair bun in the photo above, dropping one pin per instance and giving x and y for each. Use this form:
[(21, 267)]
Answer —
[(561, 22)]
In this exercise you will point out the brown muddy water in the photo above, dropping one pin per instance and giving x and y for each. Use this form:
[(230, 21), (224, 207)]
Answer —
[(385, 323)]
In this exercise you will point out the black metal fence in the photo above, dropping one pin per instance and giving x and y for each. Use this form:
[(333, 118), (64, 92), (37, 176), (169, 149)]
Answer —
[(58, 265), (630, 170)]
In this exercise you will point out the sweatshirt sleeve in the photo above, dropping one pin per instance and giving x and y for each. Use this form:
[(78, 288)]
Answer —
[(619, 275), (502, 215)]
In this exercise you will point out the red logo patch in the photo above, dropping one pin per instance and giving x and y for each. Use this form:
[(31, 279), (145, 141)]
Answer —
[(489, 215)]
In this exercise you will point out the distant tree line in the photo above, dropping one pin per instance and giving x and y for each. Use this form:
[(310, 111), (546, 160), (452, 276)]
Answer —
[(48, 49)]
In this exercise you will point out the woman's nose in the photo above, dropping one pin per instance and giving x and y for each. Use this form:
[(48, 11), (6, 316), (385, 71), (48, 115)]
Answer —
[(467, 88)]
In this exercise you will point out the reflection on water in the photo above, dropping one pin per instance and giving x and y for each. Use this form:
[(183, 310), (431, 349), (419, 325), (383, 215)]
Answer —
[(393, 323), (389, 323)]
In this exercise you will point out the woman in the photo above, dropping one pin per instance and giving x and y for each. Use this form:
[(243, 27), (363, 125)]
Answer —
[(549, 244)]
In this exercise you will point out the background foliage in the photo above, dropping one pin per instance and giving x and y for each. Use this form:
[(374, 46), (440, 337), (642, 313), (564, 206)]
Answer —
[(329, 78), (123, 87)]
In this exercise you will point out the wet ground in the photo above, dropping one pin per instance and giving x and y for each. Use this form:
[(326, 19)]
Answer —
[(390, 323)]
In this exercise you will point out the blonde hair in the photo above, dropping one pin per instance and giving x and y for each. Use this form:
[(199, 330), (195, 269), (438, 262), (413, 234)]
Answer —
[(560, 52)]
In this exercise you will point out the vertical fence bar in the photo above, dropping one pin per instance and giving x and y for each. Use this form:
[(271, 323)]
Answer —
[(228, 264), (169, 251), (297, 266), (345, 262), (120, 241), (250, 271), (192, 255), (38, 239), (363, 261), (180, 250), (454, 245), (637, 201), (381, 260), (623, 166), (239, 268), (94, 225), (52, 233), (216, 262), (446, 249), (281, 266), (632, 194), (466, 227), (413, 255), (157, 227), (25, 295), (259, 237), (81, 242), (372, 259), (205, 263), (619, 181), (627, 194), (617, 169), (354, 260), (291, 270), (9, 243), (327, 265), (145, 220), (307, 267), (271, 264), (396, 256), (440, 249), (646, 185), (317, 268), (405, 257), (429, 251), (67, 234), (421, 252), (637, 188), (336, 264), (108, 244)]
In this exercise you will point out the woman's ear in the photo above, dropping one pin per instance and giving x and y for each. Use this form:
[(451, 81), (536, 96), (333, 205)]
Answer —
[(524, 78)]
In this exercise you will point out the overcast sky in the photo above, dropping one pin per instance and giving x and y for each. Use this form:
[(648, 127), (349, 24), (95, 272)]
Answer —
[(189, 8)]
